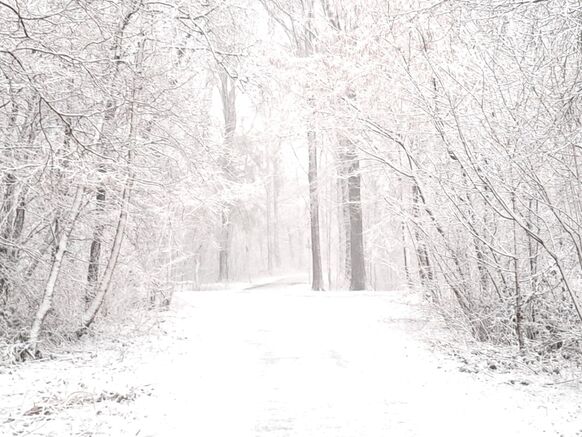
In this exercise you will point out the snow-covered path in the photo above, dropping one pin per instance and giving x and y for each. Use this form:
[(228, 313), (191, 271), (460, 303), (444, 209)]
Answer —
[(287, 362), (276, 362)]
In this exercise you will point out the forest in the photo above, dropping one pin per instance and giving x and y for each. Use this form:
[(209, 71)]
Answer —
[(154, 146)]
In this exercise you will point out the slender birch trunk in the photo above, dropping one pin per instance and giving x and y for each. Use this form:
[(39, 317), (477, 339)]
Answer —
[(47, 300)]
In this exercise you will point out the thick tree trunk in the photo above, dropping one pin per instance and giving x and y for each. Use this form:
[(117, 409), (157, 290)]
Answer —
[(343, 167), (316, 270), (227, 91), (357, 256), (47, 299)]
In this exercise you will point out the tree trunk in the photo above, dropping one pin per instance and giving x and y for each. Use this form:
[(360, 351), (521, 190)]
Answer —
[(227, 90), (357, 256), (344, 218), (275, 198), (317, 277), (223, 252), (518, 296), (270, 238), (292, 252), (105, 283), (49, 290), (329, 215), (424, 265), (7, 220), (107, 127), (95, 251)]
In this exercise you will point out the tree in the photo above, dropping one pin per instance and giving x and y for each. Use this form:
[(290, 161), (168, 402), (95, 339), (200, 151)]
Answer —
[(104, 98), (296, 18)]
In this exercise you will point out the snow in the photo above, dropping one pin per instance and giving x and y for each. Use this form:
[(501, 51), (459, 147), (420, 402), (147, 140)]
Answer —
[(282, 361)]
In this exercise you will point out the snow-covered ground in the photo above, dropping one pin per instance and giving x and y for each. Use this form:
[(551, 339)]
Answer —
[(279, 362)]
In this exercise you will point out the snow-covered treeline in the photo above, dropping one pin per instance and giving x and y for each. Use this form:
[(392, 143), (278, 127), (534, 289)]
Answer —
[(377, 144), (110, 158), (462, 120)]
